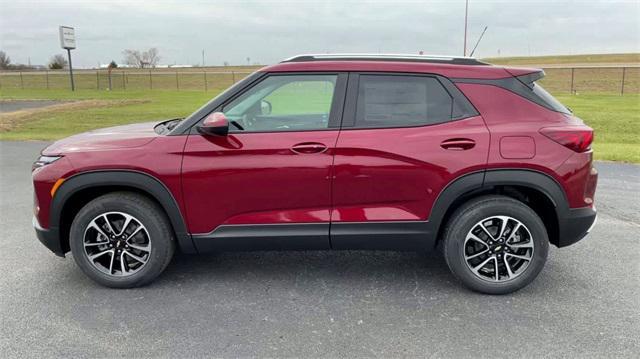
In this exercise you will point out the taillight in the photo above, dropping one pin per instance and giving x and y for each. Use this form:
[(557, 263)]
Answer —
[(576, 138)]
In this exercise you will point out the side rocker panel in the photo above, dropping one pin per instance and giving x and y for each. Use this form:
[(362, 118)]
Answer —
[(138, 180)]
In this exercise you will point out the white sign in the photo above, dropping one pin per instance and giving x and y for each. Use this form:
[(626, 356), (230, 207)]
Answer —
[(67, 37)]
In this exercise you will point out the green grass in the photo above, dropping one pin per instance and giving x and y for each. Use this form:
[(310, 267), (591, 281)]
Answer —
[(615, 118), (616, 121), (59, 124)]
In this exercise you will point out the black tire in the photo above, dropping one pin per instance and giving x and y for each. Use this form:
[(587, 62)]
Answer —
[(149, 214), (465, 218)]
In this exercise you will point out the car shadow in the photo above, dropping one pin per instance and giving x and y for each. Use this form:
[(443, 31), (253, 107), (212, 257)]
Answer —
[(337, 266)]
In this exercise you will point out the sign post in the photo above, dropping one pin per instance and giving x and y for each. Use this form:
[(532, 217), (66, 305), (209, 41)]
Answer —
[(68, 42)]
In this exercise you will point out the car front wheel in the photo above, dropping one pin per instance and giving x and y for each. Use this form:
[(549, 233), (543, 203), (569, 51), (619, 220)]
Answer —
[(121, 240)]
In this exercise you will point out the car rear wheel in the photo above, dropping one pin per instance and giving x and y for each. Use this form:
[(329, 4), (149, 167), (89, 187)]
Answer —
[(495, 244), (121, 240)]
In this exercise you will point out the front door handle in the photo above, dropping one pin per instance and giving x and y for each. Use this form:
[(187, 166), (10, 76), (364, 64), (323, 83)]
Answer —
[(458, 144), (307, 148)]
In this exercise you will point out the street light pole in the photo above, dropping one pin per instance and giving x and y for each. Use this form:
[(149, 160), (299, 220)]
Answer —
[(466, 12)]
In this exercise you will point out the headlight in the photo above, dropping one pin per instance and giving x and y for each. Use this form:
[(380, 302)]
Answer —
[(43, 161)]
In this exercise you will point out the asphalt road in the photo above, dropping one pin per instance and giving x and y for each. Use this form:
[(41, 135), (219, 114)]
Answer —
[(585, 303), (10, 106)]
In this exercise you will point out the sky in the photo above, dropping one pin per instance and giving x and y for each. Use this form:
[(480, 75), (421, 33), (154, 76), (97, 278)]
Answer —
[(264, 32)]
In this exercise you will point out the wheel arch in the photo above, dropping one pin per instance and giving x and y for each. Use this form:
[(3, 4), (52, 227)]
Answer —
[(536, 189), (81, 188)]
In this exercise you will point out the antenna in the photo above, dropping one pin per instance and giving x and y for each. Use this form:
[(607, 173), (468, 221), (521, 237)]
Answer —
[(480, 38)]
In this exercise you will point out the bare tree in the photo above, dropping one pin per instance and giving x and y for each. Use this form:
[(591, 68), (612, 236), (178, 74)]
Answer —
[(142, 59), (5, 61), (58, 62), (152, 56)]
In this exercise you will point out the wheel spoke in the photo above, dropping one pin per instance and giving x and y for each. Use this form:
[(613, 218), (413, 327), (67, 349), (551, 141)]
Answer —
[(495, 266), (479, 266), (521, 245), (513, 232), (127, 220), (139, 259), (476, 255), (518, 256), (99, 254), (106, 220), (486, 231), (140, 227), (503, 227), (113, 257), (140, 248), (95, 226), (506, 264), (477, 239), (95, 244), (123, 267)]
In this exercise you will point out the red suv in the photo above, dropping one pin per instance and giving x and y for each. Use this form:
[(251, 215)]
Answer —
[(325, 152)]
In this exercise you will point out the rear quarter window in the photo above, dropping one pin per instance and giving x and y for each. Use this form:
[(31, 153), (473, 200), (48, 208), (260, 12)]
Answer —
[(401, 101)]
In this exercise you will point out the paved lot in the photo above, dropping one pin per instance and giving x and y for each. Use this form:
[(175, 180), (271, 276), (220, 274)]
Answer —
[(585, 303), (10, 106)]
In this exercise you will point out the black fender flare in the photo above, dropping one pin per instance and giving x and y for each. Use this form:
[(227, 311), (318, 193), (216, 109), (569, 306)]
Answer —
[(478, 182), (124, 178), (537, 180)]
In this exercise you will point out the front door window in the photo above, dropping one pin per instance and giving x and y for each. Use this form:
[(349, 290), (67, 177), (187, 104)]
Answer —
[(284, 103)]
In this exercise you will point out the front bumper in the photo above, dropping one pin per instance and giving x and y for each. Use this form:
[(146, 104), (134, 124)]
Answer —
[(575, 225), (49, 237)]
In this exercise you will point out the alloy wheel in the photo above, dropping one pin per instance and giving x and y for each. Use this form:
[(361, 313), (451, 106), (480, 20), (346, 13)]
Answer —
[(117, 244), (498, 248)]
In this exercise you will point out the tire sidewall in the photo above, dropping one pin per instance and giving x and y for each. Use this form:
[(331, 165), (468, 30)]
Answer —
[(159, 237), (465, 219)]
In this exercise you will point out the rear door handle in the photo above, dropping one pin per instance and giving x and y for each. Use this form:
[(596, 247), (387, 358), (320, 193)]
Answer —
[(458, 144), (307, 148)]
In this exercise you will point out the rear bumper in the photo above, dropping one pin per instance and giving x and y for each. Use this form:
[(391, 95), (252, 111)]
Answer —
[(576, 225), (48, 237)]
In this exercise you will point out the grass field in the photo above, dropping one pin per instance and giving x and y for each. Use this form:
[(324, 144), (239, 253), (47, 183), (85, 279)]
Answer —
[(585, 60), (596, 99)]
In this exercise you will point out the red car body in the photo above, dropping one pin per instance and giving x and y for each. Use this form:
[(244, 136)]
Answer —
[(338, 188)]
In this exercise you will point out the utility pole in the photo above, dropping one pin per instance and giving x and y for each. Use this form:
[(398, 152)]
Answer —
[(466, 13), (202, 57)]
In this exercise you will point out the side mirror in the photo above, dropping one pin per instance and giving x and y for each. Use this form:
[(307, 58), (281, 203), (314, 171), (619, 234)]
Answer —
[(215, 124), (265, 107)]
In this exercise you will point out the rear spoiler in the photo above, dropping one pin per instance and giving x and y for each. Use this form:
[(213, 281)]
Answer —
[(528, 78)]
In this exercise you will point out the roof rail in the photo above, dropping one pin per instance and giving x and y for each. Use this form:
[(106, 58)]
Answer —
[(454, 60)]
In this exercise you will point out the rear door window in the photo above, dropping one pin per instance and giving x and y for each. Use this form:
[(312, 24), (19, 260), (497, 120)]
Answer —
[(401, 101)]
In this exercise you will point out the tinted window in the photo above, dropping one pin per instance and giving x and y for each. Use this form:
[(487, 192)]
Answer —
[(548, 99), (397, 101), (284, 103)]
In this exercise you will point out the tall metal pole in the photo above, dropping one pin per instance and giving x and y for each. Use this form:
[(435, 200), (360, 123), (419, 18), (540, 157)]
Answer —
[(73, 86), (466, 12)]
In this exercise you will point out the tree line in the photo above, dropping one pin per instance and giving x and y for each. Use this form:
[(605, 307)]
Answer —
[(132, 58)]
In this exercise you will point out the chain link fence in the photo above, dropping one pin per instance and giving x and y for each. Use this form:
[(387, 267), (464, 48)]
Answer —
[(619, 80), (122, 80)]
